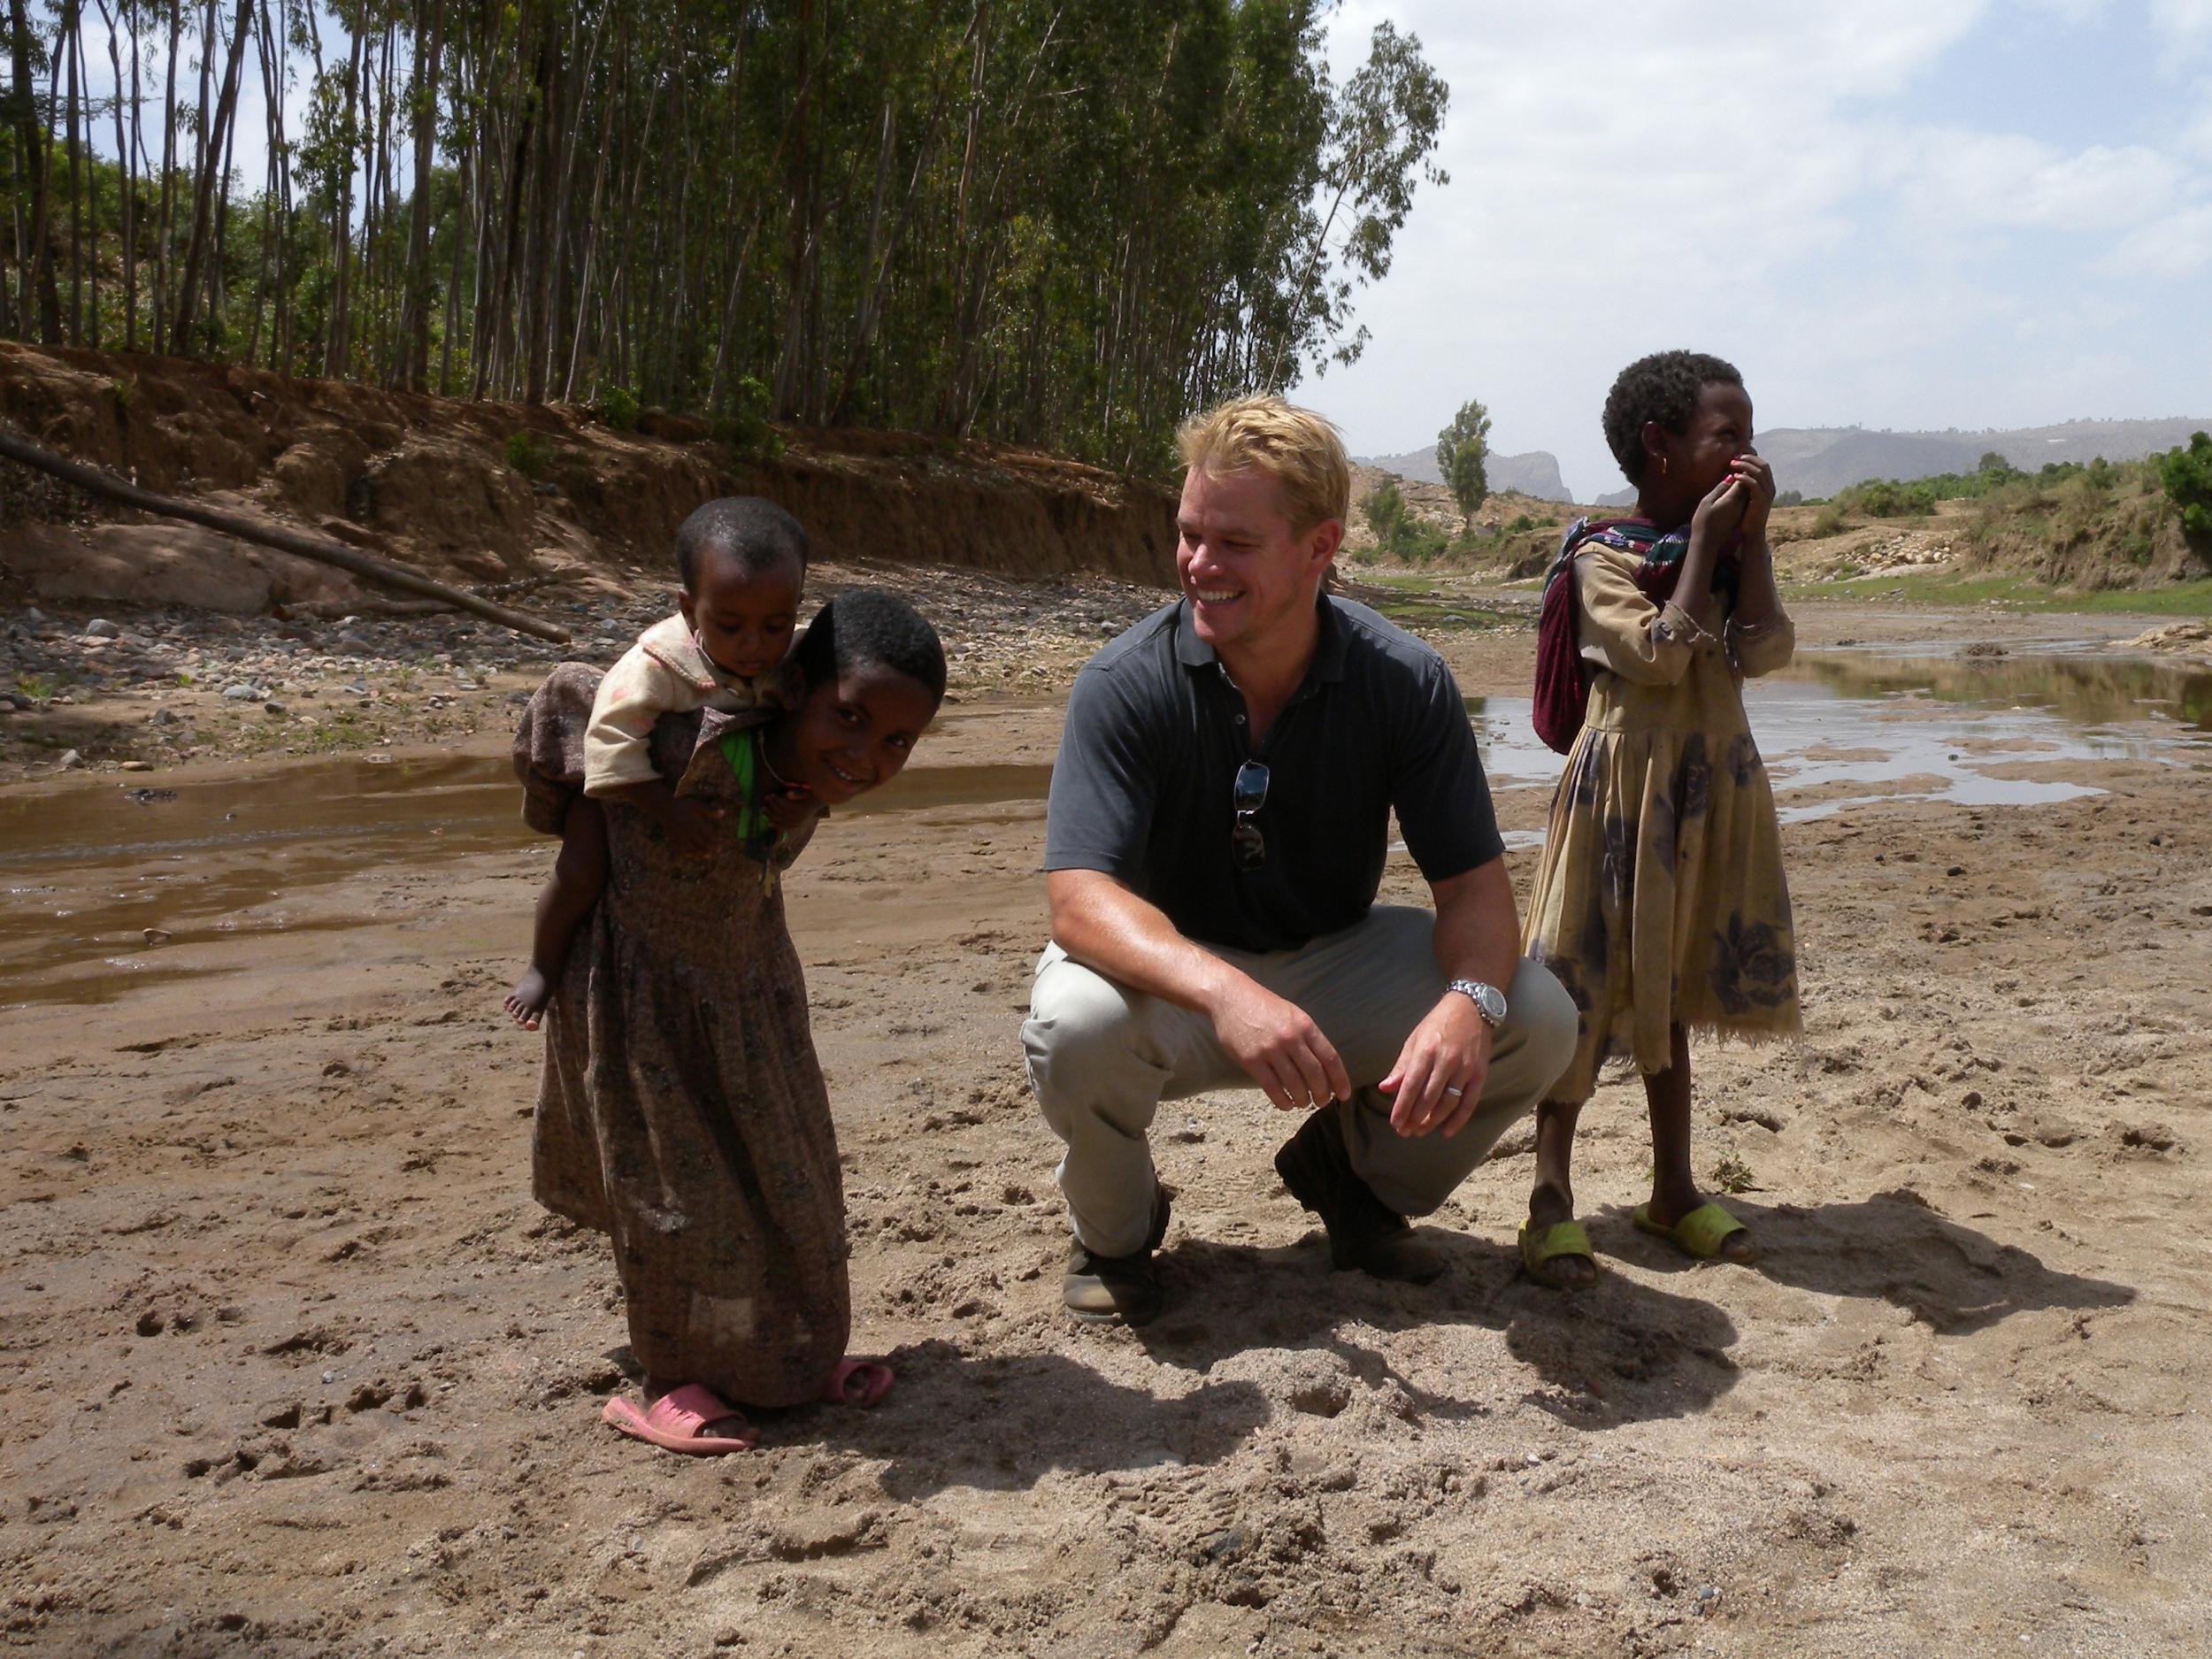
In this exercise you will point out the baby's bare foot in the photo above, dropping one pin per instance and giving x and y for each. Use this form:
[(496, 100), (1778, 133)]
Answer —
[(526, 1001)]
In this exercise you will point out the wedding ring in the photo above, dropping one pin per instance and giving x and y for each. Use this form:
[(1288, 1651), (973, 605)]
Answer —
[(1450, 1090)]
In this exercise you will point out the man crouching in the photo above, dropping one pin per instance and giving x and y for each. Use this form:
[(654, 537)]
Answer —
[(1214, 842)]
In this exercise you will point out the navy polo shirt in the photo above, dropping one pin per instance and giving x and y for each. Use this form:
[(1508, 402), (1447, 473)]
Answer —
[(1157, 730)]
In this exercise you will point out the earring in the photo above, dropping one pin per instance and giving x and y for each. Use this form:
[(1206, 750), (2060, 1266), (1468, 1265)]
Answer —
[(1662, 466)]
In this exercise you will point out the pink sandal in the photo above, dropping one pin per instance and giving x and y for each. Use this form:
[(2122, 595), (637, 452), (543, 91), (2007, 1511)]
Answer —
[(676, 1422), (873, 1377)]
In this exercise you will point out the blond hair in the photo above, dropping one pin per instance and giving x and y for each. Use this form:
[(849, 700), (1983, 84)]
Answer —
[(1300, 450)]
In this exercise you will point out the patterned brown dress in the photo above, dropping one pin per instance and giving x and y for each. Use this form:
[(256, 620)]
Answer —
[(1661, 899), (680, 1109)]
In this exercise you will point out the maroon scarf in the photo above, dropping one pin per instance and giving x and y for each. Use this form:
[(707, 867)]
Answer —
[(1563, 678)]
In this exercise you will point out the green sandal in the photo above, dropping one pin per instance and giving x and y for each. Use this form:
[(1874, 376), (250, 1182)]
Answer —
[(1704, 1233), (1542, 1246)]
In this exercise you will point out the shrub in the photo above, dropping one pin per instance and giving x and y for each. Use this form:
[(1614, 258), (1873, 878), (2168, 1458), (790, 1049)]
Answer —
[(2185, 475), (1888, 498), (529, 453), (1397, 532), (744, 426), (618, 407), (1828, 521), (1789, 498)]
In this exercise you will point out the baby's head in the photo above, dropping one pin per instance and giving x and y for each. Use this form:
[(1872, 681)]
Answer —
[(874, 673), (741, 561), (1674, 420)]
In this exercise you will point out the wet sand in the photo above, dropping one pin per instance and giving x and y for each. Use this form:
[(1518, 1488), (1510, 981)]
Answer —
[(292, 1365)]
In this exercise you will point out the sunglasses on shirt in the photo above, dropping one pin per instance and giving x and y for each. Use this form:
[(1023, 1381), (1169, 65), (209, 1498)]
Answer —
[(1247, 794)]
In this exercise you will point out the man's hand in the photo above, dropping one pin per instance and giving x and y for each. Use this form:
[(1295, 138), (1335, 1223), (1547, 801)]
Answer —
[(1279, 1048), (1437, 1082), (1758, 480)]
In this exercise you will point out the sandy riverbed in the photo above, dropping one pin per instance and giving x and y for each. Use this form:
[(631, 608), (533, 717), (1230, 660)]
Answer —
[(290, 1363)]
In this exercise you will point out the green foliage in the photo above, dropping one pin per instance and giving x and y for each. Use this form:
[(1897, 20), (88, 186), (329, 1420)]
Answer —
[(529, 453), (1732, 1174), (2185, 475), (744, 424), (1462, 448), (1789, 498), (1030, 222), (38, 688), (1888, 498), (1829, 521), (1399, 533), (618, 407), (1895, 498)]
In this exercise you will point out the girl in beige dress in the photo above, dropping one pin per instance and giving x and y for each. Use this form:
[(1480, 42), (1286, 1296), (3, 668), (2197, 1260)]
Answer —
[(1661, 903)]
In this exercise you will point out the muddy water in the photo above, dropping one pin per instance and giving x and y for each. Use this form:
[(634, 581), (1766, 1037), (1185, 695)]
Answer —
[(102, 883), (88, 869), (1853, 724)]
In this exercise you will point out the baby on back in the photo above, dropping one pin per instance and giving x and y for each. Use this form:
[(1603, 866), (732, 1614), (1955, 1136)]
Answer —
[(742, 561)]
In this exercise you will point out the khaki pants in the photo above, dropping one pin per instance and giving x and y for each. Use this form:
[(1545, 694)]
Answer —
[(1101, 1058)]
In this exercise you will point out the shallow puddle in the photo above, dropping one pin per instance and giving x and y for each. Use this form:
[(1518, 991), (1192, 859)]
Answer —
[(100, 880), (91, 869), (1842, 726)]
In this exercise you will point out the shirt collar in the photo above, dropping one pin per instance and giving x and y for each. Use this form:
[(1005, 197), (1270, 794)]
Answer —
[(1328, 650)]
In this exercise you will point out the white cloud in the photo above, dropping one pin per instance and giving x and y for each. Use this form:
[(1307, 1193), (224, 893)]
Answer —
[(2076, 11), (2195, 137), (1790, 188), (2172, 250), (2185, 26), (1951, 177)]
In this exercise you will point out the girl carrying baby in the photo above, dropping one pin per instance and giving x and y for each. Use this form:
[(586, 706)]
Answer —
[(680, 1108)]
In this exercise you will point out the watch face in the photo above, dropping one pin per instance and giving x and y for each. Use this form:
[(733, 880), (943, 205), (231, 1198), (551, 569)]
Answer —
[(1491, 1001)]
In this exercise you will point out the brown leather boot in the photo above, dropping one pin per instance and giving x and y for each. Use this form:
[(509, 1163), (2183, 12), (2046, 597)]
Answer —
[(1365, 1232), (1117, 1289)]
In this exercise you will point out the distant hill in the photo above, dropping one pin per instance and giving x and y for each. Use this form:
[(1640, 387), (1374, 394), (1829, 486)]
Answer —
[(1535, 474), (1821, 460)]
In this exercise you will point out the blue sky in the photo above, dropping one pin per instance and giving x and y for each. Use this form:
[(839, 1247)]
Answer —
[(1902, 213)]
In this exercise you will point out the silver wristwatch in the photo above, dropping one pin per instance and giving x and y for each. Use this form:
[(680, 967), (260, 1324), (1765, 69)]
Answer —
[(1488, 1000)]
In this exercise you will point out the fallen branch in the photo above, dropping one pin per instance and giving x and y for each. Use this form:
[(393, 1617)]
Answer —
[(95, 481)]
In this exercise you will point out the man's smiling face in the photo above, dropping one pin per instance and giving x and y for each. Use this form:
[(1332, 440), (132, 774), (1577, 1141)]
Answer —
[(1246, 570)]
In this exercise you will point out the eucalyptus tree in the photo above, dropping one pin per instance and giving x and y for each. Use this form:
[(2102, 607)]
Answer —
[(1043, 221)]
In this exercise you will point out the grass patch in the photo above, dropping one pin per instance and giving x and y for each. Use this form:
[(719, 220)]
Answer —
[(1937, 588), (1413, 602), (1732, 1174), (341, 732)]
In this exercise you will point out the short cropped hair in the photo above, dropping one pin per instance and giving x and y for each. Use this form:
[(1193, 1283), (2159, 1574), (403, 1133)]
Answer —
[(757, 533), (1299, 449), (866, 626), (1663, 386)]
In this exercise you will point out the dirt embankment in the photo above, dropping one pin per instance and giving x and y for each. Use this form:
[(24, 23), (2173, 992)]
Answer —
[(496, 493)]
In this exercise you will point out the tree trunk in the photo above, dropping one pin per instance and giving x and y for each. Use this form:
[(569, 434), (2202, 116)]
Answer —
[(72, 26), (125, 175), (31, 140), (213, 141), (165, 247), (414, 323), (337, 343)]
